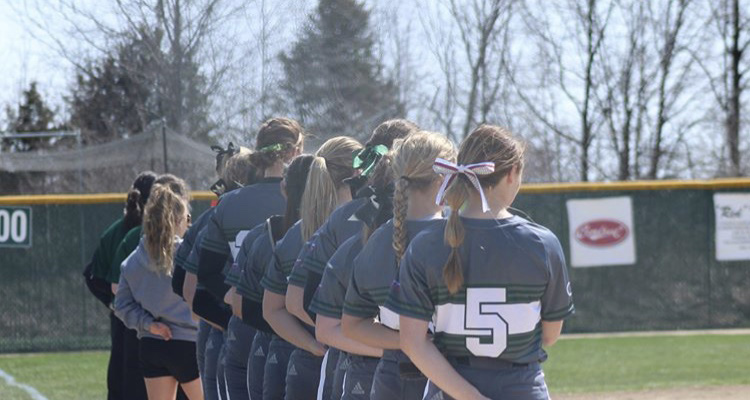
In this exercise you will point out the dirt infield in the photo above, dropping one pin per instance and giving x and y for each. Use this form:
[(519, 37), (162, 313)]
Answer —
[(701, 393)]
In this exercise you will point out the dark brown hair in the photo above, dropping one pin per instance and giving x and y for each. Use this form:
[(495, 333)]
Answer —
[(390, 130), (276, 139), (295, 178), (137, 198)]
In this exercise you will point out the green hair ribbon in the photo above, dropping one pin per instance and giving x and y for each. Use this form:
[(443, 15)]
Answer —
[(271, 148), (367, 158)]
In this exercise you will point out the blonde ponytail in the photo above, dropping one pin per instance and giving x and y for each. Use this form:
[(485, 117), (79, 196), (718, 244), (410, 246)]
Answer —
[(161, 220), (331, 165), (400, 206), (319, 199), (412, 160)]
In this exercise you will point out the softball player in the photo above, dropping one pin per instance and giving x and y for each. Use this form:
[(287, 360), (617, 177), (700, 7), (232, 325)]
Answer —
[(145, 302), (263, 248), (239, 336), (376, 267), (494, 285), (134, 388), (97, 270), (341, 226), (324, 190), (274, 283), (279, 140), (327, 304)]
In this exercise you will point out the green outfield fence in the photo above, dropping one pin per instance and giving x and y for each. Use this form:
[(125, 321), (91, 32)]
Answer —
[(45, 305), (676, 282)]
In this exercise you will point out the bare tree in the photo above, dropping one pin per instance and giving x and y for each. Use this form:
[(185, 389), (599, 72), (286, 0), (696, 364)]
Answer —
[(475, 47), (670, 23), (571, 41), (728, 26), (182, 36)]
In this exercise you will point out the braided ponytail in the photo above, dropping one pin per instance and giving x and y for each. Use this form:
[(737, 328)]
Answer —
[(412, 161), (400, 207)]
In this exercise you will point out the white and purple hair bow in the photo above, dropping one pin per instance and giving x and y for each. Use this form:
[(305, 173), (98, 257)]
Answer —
[(472, 171)]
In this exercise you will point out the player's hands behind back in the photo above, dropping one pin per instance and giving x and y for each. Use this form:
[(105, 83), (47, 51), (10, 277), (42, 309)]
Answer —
[(160, 329)]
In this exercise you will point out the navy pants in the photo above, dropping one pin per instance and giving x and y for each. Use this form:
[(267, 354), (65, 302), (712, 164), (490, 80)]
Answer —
[(390, 383), (304, 380), (337, 385), (214, 343), (239, 340), (513, 383), (358, 378), (221, 377), (274, 375), (134, 387), (115, 368), (204, 329), (256, 364)]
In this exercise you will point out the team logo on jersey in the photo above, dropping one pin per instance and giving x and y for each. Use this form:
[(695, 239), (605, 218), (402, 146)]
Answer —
[(602, 232)]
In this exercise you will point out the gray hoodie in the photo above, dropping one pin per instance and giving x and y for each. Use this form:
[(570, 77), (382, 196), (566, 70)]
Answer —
[(145, 296)]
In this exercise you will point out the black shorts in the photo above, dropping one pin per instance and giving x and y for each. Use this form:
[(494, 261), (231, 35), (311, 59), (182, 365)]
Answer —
[(174, 358)]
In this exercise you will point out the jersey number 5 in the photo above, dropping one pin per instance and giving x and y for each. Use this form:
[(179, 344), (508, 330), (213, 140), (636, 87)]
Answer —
[(483, 319)]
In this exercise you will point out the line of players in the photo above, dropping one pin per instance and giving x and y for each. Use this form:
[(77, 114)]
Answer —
[(389, 270)]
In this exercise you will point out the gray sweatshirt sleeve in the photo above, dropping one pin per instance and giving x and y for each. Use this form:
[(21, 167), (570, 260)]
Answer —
[(128, 310)]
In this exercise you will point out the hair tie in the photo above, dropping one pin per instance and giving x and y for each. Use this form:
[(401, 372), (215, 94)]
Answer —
[(367, 158), (472, 171), (271, 148)]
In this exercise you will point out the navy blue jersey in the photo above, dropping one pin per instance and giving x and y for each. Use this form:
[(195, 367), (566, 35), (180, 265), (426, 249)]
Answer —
[(276, 278), (237, 213), (234, 275), (375, 269), (329, 298), (514, 277)]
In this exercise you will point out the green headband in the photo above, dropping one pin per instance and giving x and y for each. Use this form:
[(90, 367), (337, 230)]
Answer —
[(367, 158), (271, 148)]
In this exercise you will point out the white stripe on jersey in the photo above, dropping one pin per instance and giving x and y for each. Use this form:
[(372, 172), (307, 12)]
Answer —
[(237, 243), (521, 318), (388, 318)]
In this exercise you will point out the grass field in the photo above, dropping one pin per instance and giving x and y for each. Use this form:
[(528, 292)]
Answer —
[(592, 365)]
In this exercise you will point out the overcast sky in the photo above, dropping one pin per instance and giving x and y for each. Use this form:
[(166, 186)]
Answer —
[(24, 59)]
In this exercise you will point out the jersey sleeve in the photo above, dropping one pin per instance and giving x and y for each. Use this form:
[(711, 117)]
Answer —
[(328, 299), (275, 280), (409, 296), (214, 239), (128, 244), (557, 300), (321, 248), (253, 269), (298, 274), (130, 312), (358, 302), (213, 256), (244, 257)]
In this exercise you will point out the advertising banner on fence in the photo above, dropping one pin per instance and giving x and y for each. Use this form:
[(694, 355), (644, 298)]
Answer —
[(601, 232), (15, 226), (732, 226)]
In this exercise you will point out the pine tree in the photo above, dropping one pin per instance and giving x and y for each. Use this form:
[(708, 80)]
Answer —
[(139, 83), (333, 80), (32, 115)]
